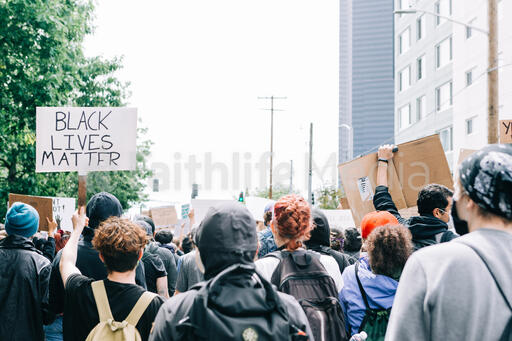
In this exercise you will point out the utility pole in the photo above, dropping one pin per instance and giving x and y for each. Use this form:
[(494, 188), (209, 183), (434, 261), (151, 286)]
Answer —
[(271, 98), (492, 73), (310, 175), (291, 177)]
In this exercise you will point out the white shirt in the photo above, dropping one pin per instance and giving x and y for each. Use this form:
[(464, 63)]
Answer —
[(267, 265)]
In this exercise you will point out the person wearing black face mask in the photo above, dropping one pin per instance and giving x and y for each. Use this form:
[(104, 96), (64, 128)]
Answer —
[(461, 290), (434, 206)]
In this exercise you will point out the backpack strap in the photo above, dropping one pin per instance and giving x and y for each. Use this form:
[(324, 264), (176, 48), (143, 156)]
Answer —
[(140, 307), (100, 296), (363, 293)]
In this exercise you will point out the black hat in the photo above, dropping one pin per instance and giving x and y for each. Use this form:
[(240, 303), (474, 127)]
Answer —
[(101, 207), (227, 235)]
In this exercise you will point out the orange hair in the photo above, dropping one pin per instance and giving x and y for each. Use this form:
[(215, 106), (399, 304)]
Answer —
[(293, 216)]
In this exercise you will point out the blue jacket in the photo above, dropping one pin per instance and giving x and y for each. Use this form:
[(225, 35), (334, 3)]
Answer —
[(379, 289)]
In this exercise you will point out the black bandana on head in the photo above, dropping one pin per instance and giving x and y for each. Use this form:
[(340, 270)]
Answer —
[(487, 177)]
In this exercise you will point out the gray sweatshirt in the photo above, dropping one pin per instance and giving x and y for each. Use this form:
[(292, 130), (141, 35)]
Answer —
[(447, 293)]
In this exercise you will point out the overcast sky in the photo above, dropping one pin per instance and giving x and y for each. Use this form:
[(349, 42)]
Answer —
[(196, 69)]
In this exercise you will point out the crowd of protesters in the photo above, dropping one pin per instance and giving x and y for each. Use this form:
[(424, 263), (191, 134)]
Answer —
[(441, 275)]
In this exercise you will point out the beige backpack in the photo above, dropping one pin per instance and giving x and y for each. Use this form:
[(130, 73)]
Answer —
[(110, 330)]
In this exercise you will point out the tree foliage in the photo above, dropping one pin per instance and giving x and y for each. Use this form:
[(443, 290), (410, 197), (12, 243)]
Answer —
[(278, 191), (42, 64), (328, 197)]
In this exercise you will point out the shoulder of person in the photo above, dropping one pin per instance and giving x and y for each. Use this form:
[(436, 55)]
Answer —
[(78, 282), (329, 262), (178, 304)]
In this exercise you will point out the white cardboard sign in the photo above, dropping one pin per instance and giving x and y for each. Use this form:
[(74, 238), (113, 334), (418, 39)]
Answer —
[(63, 209), (341, 219), (85, 139)]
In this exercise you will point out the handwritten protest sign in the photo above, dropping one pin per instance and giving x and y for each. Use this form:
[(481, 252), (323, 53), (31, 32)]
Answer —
[(85, 139), (341, 219), (164, 217), (43, 206), (185, 209), (63, 209), (506, 131), (416, 164)]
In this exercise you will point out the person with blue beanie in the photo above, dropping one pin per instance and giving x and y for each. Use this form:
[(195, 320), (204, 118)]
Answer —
[(22, 220), (25, 278)]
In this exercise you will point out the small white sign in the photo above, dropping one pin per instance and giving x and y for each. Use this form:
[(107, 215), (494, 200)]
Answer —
[(63, 209), (85, 139), (365, 189), (341, 219)]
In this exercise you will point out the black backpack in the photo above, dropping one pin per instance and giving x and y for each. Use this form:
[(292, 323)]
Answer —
[(302, 275), (207, 320), (375, 321)]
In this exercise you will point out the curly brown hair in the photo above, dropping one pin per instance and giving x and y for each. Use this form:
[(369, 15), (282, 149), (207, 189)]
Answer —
[(389, 247), (293, 216), (119, 241)]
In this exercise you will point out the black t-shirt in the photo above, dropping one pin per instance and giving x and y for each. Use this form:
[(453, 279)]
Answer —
[(83, 313), (153, 269)]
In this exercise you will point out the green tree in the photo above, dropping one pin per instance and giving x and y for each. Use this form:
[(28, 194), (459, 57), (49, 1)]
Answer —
[(42, 64), (277, 192), (328, 197)]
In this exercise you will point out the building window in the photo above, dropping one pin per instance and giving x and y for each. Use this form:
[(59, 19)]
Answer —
[(420, 27), (469, 126), (421, 107), (420, 67), (444, 52), (404, 77), (404, 40), (404, 116), (442, 8), (446, 136), (444, 96), (469, 30), (469, 77)]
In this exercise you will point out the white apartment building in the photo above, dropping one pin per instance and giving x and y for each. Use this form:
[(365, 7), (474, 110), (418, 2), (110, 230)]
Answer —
[(440, 70)]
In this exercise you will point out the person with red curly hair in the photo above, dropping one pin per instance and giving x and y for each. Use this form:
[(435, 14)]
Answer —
[(291, 226), (305, 274), (120, 244)]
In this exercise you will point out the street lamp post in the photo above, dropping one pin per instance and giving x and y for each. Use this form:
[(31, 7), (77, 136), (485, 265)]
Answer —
[(350, 140), (492, 71)]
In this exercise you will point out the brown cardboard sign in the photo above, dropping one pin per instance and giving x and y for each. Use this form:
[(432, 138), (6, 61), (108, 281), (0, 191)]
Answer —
[(164, 216), (43, 206), (416, 164), (464, 154), (506, 131)]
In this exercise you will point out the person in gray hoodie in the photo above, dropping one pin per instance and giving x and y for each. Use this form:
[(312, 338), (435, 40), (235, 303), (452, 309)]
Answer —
[(461, 290)]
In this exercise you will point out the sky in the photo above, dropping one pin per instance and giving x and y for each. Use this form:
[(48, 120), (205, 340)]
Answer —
[(196, 69)]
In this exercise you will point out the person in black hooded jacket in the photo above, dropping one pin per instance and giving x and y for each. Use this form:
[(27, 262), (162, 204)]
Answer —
[(226, 248), (434, 206), (320, 240), (24, 277)]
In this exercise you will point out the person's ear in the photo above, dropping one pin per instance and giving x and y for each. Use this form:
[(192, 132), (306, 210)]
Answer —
[(141, 252), (101, 258), (436, 213)]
